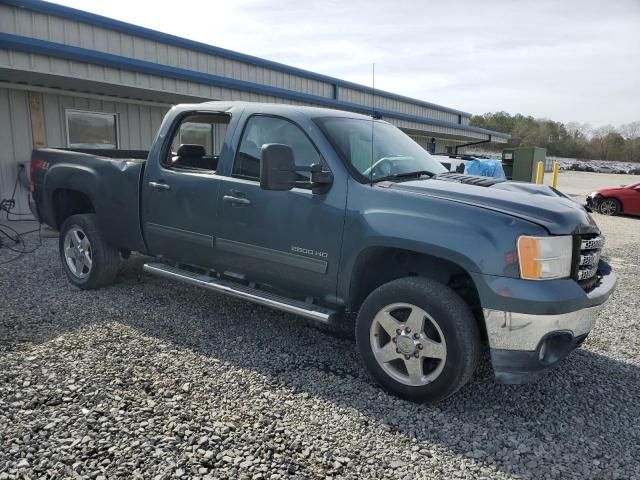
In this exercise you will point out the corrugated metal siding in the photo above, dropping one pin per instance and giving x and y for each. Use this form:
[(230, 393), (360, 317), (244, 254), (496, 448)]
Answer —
[(70, 32), (97, 73), (137, 127), (137, 124), (381, 102), (15, 143), (45, 27), (435, 129)]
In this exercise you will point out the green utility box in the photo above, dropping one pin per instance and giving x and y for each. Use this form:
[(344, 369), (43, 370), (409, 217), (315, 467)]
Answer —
[(521, 163)]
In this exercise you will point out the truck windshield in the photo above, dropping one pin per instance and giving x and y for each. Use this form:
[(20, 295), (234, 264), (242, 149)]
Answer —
[(377, 150)]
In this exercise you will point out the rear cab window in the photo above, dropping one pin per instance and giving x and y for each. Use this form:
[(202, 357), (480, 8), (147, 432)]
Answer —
[(197, 142)]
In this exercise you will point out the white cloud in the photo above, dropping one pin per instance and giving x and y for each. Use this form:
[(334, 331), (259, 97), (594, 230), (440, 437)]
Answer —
[(571, 60)]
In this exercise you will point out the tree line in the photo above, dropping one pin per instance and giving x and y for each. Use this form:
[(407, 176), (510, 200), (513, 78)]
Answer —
[(572, 140)]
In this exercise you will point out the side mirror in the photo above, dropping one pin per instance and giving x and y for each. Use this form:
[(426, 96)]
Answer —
[(277, 167), (279, 172)]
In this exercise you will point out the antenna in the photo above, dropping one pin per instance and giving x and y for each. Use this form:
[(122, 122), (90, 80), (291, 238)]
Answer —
[(373, 116)]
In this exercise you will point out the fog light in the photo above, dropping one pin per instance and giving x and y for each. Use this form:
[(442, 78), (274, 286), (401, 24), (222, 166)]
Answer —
[(555, 347)]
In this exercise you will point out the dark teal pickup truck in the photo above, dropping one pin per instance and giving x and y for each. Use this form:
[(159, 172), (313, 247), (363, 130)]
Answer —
[(323, 213)]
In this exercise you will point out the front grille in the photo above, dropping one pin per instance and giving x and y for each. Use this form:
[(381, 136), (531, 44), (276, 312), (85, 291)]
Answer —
[(585, 270)]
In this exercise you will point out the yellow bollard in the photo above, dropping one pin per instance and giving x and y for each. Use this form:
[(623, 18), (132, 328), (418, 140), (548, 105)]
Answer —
[(554, 177), (540, 173)]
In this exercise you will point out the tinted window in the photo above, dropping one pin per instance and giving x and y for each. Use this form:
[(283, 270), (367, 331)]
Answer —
[(376, 149), (263, 129)]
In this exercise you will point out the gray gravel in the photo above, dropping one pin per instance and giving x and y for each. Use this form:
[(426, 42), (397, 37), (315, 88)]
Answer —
[(153, 379)]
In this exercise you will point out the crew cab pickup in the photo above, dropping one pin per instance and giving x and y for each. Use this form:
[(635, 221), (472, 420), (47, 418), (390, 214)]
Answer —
[(325, 214)]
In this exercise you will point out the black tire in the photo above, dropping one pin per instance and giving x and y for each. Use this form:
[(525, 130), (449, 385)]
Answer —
[(609, 206), (455, 321), (105, 259)]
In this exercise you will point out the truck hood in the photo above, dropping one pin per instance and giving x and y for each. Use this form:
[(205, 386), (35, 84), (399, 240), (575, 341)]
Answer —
[(539, 204)]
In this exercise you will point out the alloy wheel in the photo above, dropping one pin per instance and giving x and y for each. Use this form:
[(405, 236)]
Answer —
[(408, 344), (78, 253)]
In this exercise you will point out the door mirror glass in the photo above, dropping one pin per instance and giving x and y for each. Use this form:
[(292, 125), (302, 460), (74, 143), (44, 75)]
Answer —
[(277, 167)]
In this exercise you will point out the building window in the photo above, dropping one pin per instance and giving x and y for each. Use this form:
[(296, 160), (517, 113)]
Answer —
[(449, 149), (431, 147), (91, 129)]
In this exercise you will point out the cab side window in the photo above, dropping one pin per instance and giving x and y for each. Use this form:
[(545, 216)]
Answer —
[(197, 143), (261, 129)]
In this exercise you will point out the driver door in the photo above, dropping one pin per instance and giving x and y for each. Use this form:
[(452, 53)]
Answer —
[(287, 239)]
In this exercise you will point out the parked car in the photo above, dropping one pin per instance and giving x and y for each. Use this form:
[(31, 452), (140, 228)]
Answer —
[(616, 200), (303, 210)]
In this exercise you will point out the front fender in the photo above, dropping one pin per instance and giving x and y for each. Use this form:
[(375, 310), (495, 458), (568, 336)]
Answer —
[(477, 240)]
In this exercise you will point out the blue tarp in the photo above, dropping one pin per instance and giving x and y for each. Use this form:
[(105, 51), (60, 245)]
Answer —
[(485, 168)]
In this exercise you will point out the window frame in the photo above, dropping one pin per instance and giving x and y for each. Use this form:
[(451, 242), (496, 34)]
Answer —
[(323, 162), (175, 130), (115, 115)]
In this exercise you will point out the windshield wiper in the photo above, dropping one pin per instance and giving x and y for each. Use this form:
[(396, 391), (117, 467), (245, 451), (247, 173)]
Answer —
[(396, 176)]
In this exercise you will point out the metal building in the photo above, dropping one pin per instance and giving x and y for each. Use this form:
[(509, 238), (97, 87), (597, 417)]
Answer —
[(71, 78)]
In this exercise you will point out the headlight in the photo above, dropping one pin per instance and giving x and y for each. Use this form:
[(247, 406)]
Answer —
[(544, 258)]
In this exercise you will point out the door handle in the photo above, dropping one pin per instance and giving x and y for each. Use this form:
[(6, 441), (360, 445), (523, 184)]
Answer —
[(160, 185), (236, 200)]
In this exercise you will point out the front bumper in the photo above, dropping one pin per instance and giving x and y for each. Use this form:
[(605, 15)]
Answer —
[(525, 345), (592, 201)]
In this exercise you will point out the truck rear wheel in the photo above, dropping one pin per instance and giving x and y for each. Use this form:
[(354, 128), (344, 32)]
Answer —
[(87, 259), (418, 339)]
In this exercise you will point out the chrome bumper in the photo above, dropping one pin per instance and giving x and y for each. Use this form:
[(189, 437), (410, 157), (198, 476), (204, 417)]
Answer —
[(521, 331)]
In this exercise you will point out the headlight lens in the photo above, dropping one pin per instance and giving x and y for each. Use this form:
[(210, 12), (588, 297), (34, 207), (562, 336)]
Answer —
[(544, 258)]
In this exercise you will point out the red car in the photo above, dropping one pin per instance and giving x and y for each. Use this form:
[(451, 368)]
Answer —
[(616, 200)]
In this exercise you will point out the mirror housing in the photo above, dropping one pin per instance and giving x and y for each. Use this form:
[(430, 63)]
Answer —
[(279, 172), (277, 167)]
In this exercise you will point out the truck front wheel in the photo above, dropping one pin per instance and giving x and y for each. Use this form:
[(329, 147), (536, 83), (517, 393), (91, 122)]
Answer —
[(87, 259), (418, 339)]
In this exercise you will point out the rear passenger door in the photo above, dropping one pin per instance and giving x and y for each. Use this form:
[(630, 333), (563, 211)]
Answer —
[(287, 239), (180, 190)]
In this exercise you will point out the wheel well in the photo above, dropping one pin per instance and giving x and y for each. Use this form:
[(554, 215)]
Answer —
[(68, 202), (379, 265)]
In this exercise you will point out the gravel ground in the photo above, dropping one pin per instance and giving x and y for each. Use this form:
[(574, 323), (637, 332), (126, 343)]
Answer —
[(154, 379)]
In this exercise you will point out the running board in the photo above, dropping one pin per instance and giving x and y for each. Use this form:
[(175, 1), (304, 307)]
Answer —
[(313, 312)]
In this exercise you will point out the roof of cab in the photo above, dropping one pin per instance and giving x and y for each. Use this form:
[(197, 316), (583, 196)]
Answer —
[(225, 105)]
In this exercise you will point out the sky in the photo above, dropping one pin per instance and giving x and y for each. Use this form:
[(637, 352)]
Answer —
[(566, 60)]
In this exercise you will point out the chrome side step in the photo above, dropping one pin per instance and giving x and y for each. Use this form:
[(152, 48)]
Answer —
[(313, 312)]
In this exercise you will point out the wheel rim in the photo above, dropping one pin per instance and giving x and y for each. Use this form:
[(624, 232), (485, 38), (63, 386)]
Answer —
[(608, 207), (408, 344), (78, 253)]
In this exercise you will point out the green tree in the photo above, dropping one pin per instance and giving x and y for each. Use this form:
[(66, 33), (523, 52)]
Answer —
[(572, 140)]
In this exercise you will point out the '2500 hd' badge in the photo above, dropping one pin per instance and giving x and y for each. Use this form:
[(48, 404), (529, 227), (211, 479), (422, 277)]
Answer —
[(309, 251)]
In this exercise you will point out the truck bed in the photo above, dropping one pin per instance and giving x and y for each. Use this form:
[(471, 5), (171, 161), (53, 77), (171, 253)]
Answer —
[(108, 179)]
